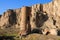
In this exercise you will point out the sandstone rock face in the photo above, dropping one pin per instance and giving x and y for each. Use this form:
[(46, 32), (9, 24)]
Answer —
[(53, 12), (23, 23), (34, 18), (8, 19)]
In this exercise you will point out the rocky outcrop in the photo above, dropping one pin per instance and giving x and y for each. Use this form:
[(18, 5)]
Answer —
[(53, 12), (8, 19), (33, 19)]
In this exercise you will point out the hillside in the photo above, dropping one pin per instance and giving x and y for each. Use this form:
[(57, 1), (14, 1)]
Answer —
[(43, 19)]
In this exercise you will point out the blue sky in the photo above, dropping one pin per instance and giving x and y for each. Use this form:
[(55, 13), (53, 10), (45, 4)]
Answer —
[(13, 4)]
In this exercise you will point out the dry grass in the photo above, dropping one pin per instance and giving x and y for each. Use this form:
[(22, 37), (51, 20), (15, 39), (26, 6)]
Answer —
[(39, 37)]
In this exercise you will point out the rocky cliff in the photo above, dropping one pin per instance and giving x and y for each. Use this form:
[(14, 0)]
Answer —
[(53, 11), (37, 18)]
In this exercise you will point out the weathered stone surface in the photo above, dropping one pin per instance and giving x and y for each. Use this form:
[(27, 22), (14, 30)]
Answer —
[(8, 19), (53, 12), (35, 17)]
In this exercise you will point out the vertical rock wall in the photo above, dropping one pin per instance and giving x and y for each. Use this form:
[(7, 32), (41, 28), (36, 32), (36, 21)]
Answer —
[(53, 11), (29, 18), (23, 23)]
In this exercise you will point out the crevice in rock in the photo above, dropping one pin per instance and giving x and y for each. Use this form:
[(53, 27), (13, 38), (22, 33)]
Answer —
[(58, 33), (47, 33), (41, 7), (0, 16), (28, 20), (33, 19), (54, 21), (18, 24)]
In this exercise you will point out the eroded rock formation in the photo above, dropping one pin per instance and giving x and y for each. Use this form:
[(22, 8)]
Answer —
[(35, 18)]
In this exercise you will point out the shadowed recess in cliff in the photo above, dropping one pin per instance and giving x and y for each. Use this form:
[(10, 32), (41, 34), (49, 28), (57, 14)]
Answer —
[(12, 18), (28, 19), (0, 16), (41, 17), (54, 21), (58, 33), (39, 22), (38, 31)]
